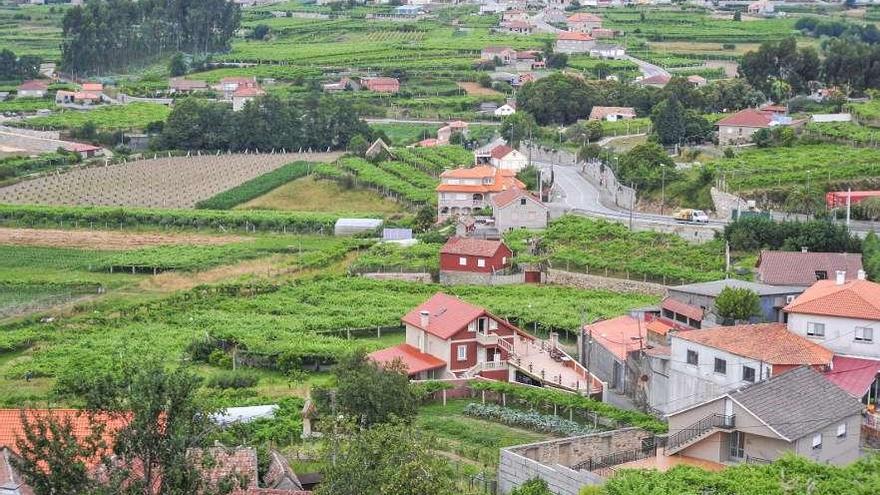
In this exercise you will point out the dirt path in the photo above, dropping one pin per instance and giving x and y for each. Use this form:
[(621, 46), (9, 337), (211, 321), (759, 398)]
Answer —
[(474, 89), (92, 239)]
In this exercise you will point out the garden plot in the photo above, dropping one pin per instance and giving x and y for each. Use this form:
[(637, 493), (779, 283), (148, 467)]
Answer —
[(172, 182), (92, 239)]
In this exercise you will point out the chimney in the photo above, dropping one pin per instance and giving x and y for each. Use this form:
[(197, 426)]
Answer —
[(861, 275), (424, 318), (841, 277), (803, 249)]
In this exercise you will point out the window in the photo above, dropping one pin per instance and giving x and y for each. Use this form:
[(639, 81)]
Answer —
[(864, 334), (841, 430), (721, 366), (472, 326), (522, 201), (462, 261), (821, 275), (692, 357), (504, 260), (481, 262), (815, 329), (817, 441), (748, 374), (482, 324), (462, 352)]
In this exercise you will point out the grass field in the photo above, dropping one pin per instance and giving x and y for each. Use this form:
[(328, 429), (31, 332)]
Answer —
[(32, 29), (105, 118), (403, 134), (311, 194)]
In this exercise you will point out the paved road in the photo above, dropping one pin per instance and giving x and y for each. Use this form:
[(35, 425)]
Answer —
[(648, 69), (424, 121)]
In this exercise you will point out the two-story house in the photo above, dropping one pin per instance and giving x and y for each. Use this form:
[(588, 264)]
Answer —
[(707, 363), (797, 411), (583, 22), (519, 209), (464, 191), (842, 315), (467, 254), (450, 338)]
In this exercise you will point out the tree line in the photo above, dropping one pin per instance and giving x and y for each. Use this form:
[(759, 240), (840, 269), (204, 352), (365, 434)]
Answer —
[(105, 35), (13, 67), (264, 124)]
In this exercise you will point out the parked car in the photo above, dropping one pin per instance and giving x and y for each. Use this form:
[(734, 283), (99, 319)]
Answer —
[(691, 216)]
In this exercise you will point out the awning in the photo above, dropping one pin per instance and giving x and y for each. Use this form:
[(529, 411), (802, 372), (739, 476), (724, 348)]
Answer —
[(855, 375)]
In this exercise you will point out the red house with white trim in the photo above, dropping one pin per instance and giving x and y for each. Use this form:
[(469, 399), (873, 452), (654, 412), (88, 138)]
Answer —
[(450, 338), (466, 254)]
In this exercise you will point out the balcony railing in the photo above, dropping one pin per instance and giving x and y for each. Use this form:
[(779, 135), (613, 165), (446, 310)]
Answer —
[(604, 465), (700, 428), (487, 338)]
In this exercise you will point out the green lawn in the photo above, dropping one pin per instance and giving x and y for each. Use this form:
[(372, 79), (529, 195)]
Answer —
[(105, 118)]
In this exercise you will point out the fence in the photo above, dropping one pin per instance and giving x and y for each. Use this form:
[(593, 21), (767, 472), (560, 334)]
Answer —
[(599, 174)]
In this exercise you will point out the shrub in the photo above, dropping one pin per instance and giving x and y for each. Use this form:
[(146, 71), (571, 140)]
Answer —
[(233, 379), (530, 420)]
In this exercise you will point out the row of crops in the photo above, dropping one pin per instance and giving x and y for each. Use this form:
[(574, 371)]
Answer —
[(256, 187), (597, 246), (292, 322)]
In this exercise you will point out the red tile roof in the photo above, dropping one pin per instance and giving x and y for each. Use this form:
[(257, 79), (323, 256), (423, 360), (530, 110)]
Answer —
[(447, 315), (12, 428), (768, 342), (854, 299), (659, 327), (584, 17), (655, 80), (503, 179), (503, 199), (501, 151), (248, 92), (749, 117), (617, 335), (415, 360), (469, 246), (223, 464), (854, 375), (681, 308), (797, 268), (601, 112), (574, 36), (33, 84), (92, 87)]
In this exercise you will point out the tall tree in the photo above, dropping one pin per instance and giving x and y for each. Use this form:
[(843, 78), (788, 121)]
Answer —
[(737, 303), (373, 393), (644, 165)]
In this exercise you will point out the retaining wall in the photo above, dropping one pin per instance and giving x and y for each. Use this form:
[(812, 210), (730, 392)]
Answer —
[(585, 281), (467, 278), (550, 460)]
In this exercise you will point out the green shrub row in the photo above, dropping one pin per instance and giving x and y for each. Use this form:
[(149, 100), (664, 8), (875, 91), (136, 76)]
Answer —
[(546, 423), (255, 187)]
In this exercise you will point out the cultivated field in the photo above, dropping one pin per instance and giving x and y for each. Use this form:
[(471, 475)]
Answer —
[(171, 182), (310, 194), (106, 240)]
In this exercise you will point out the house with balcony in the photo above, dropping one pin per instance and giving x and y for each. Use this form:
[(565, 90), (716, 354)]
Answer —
[(466, 191), (447, 337), (465, 254), (797, 411), (708, 363)]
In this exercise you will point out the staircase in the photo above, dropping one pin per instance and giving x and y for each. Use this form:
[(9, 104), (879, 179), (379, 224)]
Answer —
[(701, 429)]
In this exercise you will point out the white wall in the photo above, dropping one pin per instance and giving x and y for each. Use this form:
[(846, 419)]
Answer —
[(839, 334), (689, 384)]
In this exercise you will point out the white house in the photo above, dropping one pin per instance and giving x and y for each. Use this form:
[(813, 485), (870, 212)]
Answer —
[(603, 50), (707, 363), (840, 315), (32, 89), (506, 158), (574, 42), (505, 110)]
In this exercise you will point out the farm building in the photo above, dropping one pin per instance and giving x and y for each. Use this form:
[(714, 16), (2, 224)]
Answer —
[(604, 50), (697, 80), (353, 226), (463, 254), (229, 85), (407, 10), (181, 85), (603, 33), (656, 81), (518, 209), (612, 114), (505, 110), (381, 84), (739, 127), (516, 27), (85, 150), (243, 95), (503, 53), (583, 22), (574, 42), (32, 89), (506, 158)]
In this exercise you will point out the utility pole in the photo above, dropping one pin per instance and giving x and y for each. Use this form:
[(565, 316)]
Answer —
[(848, 204), (632, 204), (663, 188)]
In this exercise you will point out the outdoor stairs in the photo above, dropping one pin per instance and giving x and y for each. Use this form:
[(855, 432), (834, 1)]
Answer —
[(701, 429)]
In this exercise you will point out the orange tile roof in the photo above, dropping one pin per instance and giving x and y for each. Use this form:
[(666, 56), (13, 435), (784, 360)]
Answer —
[(659, 327), (447, 315), (506, 197), (248, 91), (584, 17), (501, 151), (749, 117), (11, 427), (854, 299), (602, 112), (415, 360), (504, 180), (617, 334), (92, 87), (470, 173), (768, 342), (574, 36), (681, 308)]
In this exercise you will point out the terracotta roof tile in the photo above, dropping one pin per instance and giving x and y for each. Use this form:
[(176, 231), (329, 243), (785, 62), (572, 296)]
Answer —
[(681, 308), (504, 198), (601, 112), (447, 315), (768, 342), (574, 36), (854, 375), (617, 334), (471, 247), (797, 268), (501, 151), (749, 117), (33, 84), (854, 299), (659, 327), (584, 17), (415, 360)]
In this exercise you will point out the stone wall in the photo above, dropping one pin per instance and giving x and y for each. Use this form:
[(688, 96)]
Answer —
[(725, 203), (550, 460), (468, 278), (585, 281), (406, 277)]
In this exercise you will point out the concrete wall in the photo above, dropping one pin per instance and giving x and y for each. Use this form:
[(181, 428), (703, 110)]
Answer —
[(586, 281), (838, 451), (550, 460), (466, 278), (839, 334), (725, 203), (531, 215), (728, 135)]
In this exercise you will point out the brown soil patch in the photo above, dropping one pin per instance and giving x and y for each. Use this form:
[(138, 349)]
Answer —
[(474, 89), (114, 241)]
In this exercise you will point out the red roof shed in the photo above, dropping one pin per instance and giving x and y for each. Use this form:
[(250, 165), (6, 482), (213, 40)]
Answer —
[(465, 254)]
